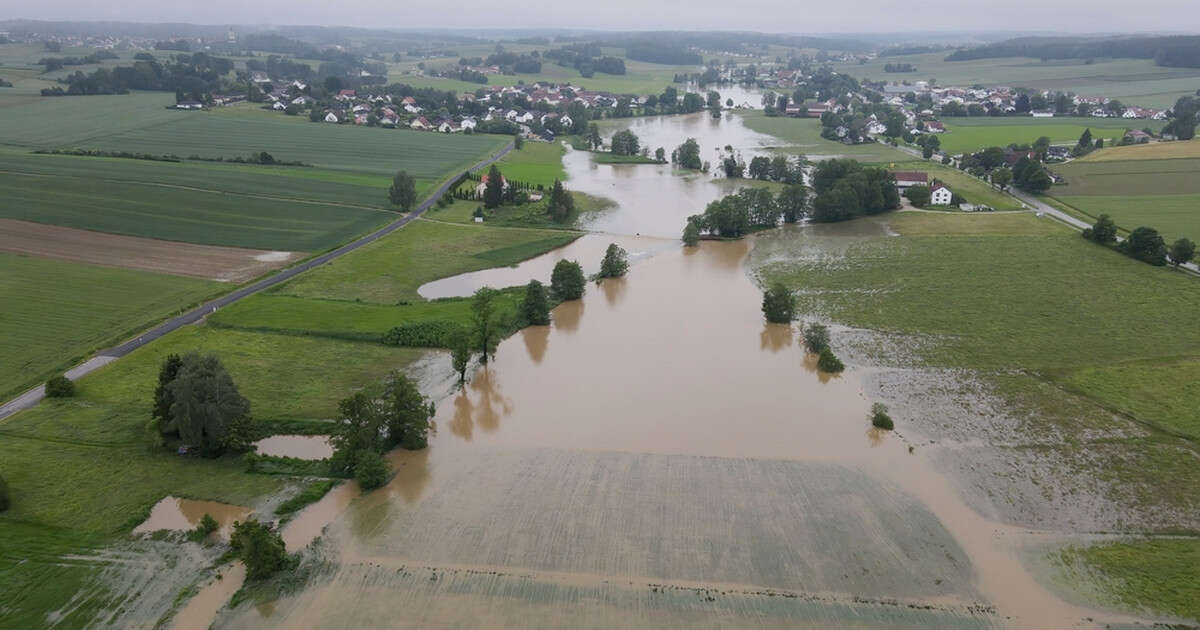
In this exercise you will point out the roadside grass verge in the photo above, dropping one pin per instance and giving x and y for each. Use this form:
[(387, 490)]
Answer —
[(391, 269), (56, 312)]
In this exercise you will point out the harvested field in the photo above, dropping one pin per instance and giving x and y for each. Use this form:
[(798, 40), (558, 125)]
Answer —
[(224, 264)]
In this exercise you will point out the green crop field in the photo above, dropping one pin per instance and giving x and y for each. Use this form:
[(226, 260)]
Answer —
[(1151, 151), (391, 269), (55, 312), (1161, 574), (966, 135), (74, 120), (640, 77), (181, 214), (536, 163), (1160, 193), (1132, 81), (804, 134)]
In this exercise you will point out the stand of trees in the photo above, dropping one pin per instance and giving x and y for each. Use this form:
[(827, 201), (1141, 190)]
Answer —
[(567, 280), (656, 52), (1144, 243), (189, 76), (374, 420), (197, 402), (845, 189), (899, 67), (1178, 51), (734, 215), (615, 263), (687, 155)]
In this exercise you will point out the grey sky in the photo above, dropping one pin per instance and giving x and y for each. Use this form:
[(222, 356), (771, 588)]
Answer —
[(798, 16)]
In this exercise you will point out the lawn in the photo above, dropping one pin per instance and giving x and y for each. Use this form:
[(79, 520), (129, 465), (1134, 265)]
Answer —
[(1132, 81), (804, 136), (211, 134), (56, 312), (967, 135), (391, 269), (1162, 574), (166, 211)]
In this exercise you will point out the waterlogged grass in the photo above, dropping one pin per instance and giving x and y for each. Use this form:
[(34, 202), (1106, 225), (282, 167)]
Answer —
[(1162, 392), (311, 493), (1161, 574), (391, 269), (56, 312), (35, 578), (804, 136)]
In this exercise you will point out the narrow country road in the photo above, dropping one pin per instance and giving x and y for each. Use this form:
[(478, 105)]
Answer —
[(104, 357)]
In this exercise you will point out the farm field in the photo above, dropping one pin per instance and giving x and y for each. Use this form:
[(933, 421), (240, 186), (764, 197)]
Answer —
[(967, 134), (804, 134), (225, 264), (56, 311), (391, 269), (1132, 81), (536, 163), (1151, 151), (1143, 573), (1160, 193), (172, 213), (639, 78), (49, 122)]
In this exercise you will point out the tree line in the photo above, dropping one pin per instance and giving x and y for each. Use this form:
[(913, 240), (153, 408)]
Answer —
[(1143, 243)]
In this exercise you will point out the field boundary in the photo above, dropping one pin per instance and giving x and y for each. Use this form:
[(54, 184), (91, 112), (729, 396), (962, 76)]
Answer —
[(33, 396)]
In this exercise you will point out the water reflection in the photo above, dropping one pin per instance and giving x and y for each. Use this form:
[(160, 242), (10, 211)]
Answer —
[(566, 316), (613, 289), (776, 337), (536, 339)]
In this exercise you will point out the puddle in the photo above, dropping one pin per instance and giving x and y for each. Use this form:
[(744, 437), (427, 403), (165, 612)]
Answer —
[(298, 446), (178, 514), (274, 257)]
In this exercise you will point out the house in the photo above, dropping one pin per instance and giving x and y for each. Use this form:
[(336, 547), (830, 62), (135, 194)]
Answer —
[(331, 117), (815, 111), (279, 106), (1043, 113), (420, 123), (940, 196), (345, 95), (468, 123), (933, 126), (905, 179), (448, 126), (1137, 136), (189, 105), (483, 185), (412, 109)]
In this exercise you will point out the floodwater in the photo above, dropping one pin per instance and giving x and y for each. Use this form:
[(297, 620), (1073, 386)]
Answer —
[(179, 514), (298, 446), (659, 457)]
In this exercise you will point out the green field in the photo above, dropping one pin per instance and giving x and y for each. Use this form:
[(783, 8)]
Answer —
[(639, 78), (164, 211), (1132, 81), (967, 135), (804, 136), (1160, 193), (1151, 151), (1161, 574), (536, 163), (73, 120), (391, 269), (55, 312)]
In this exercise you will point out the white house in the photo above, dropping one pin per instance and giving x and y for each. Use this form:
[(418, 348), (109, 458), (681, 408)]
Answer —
[(330, 117), (448, 126), (941, 196), (468, 123), (1043, 114), (419, 123)]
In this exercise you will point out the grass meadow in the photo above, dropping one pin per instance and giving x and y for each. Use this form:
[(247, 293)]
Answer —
[(970, 134), (1160, 193), (1157, 574), (56, 312)]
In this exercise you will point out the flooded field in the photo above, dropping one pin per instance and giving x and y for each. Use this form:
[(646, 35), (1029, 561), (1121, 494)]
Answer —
[(298, 446), (173, 513)]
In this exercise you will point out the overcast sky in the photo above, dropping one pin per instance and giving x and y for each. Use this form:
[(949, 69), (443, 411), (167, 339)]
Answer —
[(794, 16)]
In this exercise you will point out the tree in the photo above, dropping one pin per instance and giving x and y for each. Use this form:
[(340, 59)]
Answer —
[(816, 337), (493, 190), (361, 420), (567, 280), (407, 413), (207, 403), (518, 142), (687, 155), (562, 204), (760, 167), (625, 142), (615, 263), (660, 155), (5, 499), (779, 305), (460, 354), (60, 387), (1085, 138), (486, 322), (691, 234), (918, 195), (880, 418), (593, 138), (1002, 177), (1104, 231), (261, 549), (370, 470), (732, 167), (403, 192), (1146, 245), (162, 393), (1181, 251), (828, 362), (535, 308), (793, 202)]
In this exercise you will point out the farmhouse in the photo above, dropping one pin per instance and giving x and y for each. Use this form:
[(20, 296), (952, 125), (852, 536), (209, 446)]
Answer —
[(941, 196), (906, 179), (483, 181)]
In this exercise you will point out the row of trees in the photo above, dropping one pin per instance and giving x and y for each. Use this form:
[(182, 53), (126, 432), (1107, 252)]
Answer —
[(1144, 243), (194, 76), (749, 208)]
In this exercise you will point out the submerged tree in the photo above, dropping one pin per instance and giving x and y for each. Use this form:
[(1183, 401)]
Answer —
[(535, 308), (691, 234), (567, 280), (261, 549), (562, 204), (779, 305), (615, 263), (486, 322), (460, 354), (816, 337), (403, 192), (407, 413)]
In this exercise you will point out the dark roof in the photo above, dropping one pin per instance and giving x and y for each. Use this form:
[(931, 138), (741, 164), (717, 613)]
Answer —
[(911, 176)]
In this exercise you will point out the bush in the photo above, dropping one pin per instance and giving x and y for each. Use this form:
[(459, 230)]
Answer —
[(60, 387), (207, 526), (779, 305), (567, 280), (370, 471), (828, 362), (428, 334), (880, 418), (816, 338), (5, 501), (260, 548)]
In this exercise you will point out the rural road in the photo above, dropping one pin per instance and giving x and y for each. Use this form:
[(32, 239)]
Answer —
[(104, 357)]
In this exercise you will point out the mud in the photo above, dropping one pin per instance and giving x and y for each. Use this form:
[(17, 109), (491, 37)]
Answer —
[(298, 446)]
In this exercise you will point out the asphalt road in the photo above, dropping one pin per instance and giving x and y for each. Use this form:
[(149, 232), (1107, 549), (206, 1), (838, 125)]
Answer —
[(104, 357)]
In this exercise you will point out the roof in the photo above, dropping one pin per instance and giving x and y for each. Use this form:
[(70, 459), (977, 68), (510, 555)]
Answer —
[(911, 176)]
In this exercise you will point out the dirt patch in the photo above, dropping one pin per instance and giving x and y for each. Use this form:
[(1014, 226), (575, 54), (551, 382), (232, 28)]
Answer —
[(224, 264)]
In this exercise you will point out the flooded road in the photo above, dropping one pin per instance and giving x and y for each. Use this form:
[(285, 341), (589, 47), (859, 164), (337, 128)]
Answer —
[(660, 457)]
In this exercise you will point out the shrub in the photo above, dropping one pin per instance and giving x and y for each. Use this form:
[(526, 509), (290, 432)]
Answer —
[(428, 334), (60, 387), (370, 471), (779, 305), (828, 362), (207, 525), (615, 263), (5, 501), (816, 338), (260, 548), (880, 418)]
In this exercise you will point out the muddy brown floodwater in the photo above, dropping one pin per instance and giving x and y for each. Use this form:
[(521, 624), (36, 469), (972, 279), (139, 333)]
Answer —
[(299, 446), (183, 514), (659, 457)]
